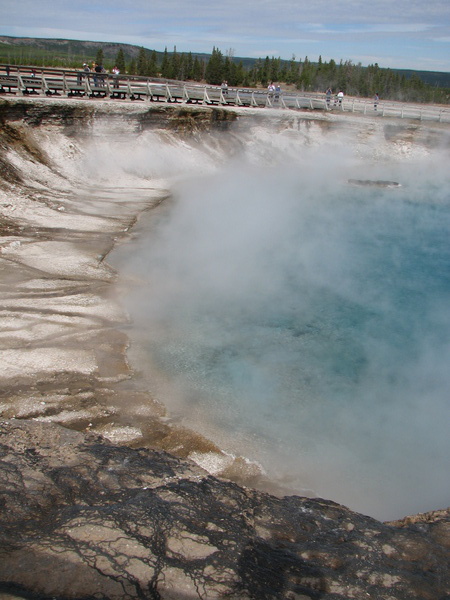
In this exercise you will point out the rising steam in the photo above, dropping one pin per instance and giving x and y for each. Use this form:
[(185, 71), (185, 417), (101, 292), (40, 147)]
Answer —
[(302, 321)]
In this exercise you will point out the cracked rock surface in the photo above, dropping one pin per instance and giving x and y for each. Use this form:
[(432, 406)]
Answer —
[(84, 518)]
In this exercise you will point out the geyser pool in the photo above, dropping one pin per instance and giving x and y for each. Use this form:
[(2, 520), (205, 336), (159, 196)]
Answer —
[(304, 323)]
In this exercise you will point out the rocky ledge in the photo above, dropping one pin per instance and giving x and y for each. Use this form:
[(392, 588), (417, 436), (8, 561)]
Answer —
[(83, 518)]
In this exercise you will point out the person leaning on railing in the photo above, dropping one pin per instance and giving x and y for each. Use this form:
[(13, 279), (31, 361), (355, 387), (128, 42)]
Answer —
[(80, 74)]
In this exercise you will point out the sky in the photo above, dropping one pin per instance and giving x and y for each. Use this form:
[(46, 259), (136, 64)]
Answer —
[(398, 34)]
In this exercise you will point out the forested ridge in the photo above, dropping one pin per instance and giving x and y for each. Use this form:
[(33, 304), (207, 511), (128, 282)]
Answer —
[(301, 73)]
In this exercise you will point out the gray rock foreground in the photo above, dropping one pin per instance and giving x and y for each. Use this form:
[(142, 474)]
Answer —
[(83, 518)]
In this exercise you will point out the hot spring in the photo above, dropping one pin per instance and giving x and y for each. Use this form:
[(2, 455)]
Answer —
[(304, 322)]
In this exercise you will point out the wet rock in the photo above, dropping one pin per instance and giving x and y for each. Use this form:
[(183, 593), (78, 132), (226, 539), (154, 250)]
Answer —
[(82, 518)]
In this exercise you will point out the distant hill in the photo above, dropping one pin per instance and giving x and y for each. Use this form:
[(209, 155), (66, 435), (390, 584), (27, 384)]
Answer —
[(436, 78), (21, 50), (72, 53)]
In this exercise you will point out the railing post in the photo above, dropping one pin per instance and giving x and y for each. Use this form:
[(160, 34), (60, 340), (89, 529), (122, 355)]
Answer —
[(44, 84), (88, 85), (20, 86), (108, 86)]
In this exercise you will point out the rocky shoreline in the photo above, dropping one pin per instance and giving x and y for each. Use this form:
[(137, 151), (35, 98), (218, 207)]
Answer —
[(84, 518), (86, 510)]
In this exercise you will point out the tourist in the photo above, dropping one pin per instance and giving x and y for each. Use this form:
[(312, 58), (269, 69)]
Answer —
[(115, 71), (80, 74), (277, 92), (376, 99), (98, 79)]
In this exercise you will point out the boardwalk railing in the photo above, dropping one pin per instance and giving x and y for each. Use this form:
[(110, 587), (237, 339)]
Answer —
[(27, 81)]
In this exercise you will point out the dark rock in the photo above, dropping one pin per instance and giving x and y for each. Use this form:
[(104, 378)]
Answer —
[(82, 518)]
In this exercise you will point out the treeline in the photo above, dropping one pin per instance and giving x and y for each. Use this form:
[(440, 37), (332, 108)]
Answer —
[(304, 75), (353, 80)]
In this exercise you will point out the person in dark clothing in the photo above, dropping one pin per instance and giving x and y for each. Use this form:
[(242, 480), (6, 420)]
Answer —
[(376, 99), (99, 79)]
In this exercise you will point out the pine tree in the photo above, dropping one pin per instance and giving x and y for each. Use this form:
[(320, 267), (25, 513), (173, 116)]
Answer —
[(142, 62), (152, 66), (198, 70), (189, 66), (307, 75), (99, 57), (265, 74), (175, 64), (120, 61), (275, 69), (214, 68), (239, 74), (165, 65), (132, 67), (293, 71), (227, 72)]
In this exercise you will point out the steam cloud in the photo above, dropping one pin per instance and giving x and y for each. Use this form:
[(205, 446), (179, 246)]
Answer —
[(303, 321)]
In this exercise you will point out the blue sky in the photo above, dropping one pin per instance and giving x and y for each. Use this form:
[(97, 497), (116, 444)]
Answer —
[(408, 34)]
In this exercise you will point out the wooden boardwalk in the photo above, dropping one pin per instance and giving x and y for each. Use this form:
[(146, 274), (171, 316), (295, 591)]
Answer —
[(27, 81)]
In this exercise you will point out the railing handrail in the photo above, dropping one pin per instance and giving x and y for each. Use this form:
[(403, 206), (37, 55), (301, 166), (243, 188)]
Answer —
[(46, 79)]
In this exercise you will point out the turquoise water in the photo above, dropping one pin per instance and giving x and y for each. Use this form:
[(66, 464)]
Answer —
[(305, 323)]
